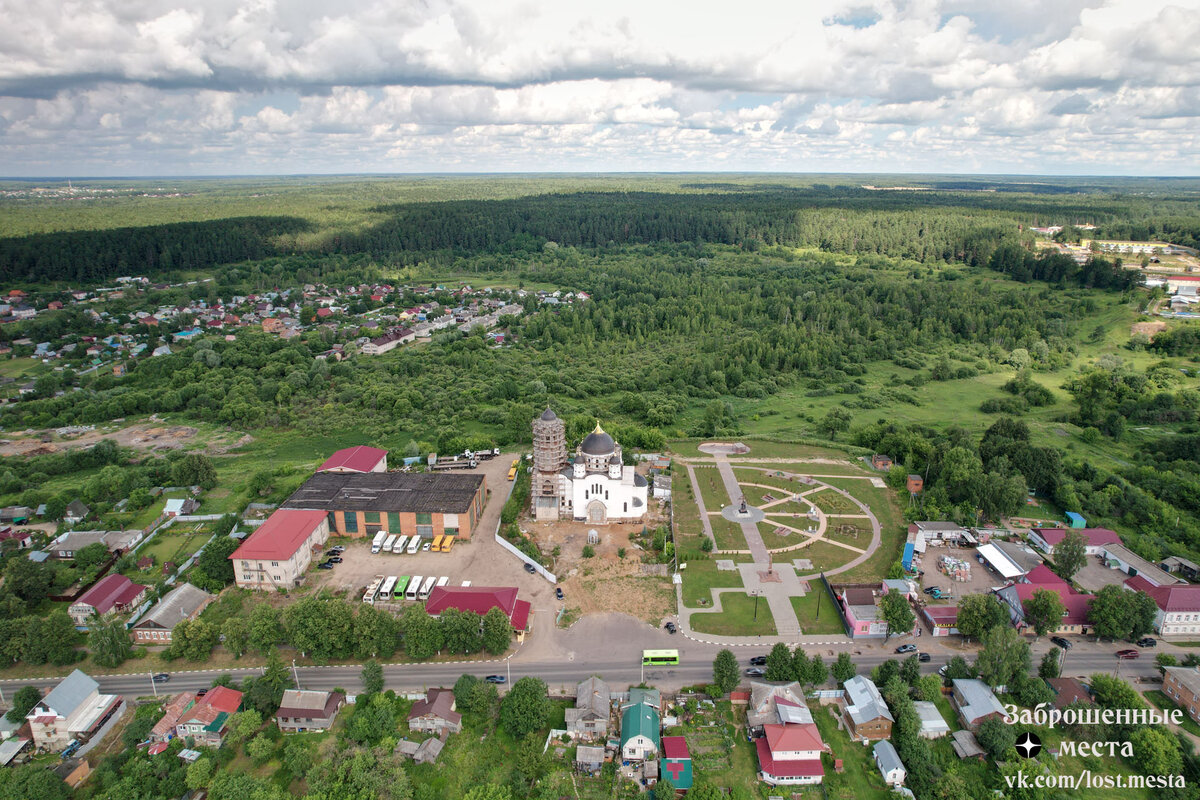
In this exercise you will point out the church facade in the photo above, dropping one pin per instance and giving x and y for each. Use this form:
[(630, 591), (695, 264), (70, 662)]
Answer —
[(594, 486)]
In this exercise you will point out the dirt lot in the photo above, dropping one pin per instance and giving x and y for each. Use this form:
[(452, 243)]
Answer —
[(982, 579), (1094, 576), (143, 435)]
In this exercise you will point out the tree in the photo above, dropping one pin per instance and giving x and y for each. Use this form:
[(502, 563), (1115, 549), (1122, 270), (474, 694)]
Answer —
[(664, 790), (1003, 655), (422, 634), (1044, 611), (843, 669), (461, 631), (27, 579), (195, 469), (199, 773), (297, 757), (531, 762), (996, 736), (896, 612), (910, 670), (373, 719), (1142, 613), (109, 642), (950, 787), (525, 708), (91, 555), (242, 724), (497, 631), (266, 628), (32, 782), (725, 672), (779, 663), (214, 570), (957, 668), (236, 631), (1109, 612), (1070, 555), (488, 791), (818, 673), (463, 688), (357, 774), (836, 421), (23, 702), (194, 639), (372, 677), (376, 633), (260, 749), (978, 614), (1156, 751), (1050, 665)]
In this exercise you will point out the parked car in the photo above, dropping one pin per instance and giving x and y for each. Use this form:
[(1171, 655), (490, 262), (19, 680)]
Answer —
[(558, 593), (906, 648), (943, 669), (426, 546), (201, 692), (530, 568), (324, 565), (1147, 641), (1061, 642), (334, 559), (161, 677), (924, 658), (339, 548), (1128, 654), (670, 626), (931, 589), (755, 672), (496, 679), (758, 661)]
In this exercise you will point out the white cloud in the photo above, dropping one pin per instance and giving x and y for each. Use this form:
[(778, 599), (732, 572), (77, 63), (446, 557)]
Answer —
[(298, 85)]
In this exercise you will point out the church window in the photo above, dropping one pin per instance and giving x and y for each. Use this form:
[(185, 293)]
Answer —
[(625, 507)]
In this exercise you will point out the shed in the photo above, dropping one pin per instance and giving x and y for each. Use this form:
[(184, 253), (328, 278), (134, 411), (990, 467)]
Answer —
[(1000, 562), (889, 763), (1075, 520), (589, 758), (933, 724), (677, 762)]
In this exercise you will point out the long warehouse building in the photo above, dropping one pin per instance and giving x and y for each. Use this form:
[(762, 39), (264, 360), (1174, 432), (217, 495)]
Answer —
[(423, 504)]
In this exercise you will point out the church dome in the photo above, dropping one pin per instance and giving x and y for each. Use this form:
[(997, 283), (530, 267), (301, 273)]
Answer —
[(598, 443), (548, 415)]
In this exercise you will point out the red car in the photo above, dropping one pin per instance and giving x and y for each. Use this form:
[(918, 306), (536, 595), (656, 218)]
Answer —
[(1128, 654)]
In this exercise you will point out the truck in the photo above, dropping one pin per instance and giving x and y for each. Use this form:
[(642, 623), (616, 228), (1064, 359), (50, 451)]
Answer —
[(377, 542), (455, 462), (401, 543), (481, 455), (389, 543)]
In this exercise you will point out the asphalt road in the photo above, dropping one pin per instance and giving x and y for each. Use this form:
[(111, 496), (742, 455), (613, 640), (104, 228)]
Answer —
[(562, 675)]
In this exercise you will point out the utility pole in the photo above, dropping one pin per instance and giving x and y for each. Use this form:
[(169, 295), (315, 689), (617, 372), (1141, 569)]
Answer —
[(153, 685), (756, 594), (295, 674)]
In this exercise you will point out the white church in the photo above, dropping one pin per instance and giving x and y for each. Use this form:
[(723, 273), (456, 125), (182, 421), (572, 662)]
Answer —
[(595, 487)]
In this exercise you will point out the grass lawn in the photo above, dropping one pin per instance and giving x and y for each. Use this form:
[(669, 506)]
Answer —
[(712, 488), (759, 448), (832, 502), (702, 576), (860, 779), (736, 618), (728, 534), (824, 556), (168, 546), (1160, 700), (806, 612), (689, 533), (785, 537)]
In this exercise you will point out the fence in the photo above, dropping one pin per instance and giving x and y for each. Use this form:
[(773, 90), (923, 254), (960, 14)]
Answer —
[(507, 545), (837, 606)]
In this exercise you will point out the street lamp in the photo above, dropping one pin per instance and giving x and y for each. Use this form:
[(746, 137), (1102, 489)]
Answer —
[(756, 594)]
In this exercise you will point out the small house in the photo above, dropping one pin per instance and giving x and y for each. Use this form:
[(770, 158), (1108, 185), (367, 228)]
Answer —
[(302, 711), (588, 720), (589, 758), (111, 594), (207, 719), (640, 723), (435, 713), (676, 762), (866, 714), (974, 701), (76, 512), (183, 602), (889, 763)]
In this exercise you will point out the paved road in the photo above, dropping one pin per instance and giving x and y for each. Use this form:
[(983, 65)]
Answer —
[(561, 674)]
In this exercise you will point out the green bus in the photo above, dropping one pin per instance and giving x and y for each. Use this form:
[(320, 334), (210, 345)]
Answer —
[(656, 657), (400, 588)]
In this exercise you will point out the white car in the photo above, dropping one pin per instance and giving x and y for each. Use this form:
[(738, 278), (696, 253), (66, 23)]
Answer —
[(426, 546)]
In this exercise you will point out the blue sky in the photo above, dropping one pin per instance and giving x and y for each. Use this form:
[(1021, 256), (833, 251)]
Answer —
[(106, 87)]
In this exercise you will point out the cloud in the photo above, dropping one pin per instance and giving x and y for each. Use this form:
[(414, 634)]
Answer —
[(365, 85)]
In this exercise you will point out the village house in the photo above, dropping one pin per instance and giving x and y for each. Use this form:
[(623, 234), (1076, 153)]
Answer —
[(775, 703), (435, 713), (111, 594), (790, 754), (76, 512), (302, 711), (183, 602), (974, 701), (422, 504), (640, 724), (1075, 615), (588, 720), (206, 720), (859, 606), (74, 709), (277, 554), (889, 764), (1045, 539), (1182, 684), (676, 765), (866, 714)]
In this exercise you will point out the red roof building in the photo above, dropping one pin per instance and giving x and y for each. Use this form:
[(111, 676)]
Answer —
[(112, 593), (1178, 605), (207, 719), (1076, 605), (481, 599), (943, 620), (790, 754), (1045, 539), (277, 554), (674, 747), (1043, 576), (356, 459)]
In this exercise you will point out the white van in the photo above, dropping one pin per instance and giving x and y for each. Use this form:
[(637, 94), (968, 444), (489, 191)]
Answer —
[(377, 542), (414, 544), (401, 541), (389, 542), (414, 588)]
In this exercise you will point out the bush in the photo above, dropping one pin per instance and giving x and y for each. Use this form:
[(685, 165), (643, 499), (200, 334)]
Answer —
[(588, 551)]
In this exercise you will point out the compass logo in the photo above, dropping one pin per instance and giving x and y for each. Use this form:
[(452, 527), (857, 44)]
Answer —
[(1028, 744)]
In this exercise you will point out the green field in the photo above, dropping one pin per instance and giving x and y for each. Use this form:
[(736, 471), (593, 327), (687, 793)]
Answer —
[(737, 618), (700, 577), (817, 602)]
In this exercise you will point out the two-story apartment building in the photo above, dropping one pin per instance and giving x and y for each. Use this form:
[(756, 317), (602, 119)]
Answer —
[(1182, 684), (112, 594), (1178, 606), (277, 554), (308, 710), (75, 709), (421, 504)]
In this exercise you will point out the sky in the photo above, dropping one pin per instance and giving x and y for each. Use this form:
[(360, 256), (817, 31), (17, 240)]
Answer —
[(225, 87)]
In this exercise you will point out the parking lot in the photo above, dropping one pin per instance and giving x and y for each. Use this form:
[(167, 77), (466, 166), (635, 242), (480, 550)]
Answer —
[(1094, 576), (982, 579), (478, 560)]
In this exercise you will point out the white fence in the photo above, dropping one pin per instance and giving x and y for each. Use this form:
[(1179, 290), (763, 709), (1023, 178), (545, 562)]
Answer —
[(510, 547)]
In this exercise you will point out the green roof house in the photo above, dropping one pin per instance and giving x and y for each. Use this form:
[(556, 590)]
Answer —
[(640, 725)]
